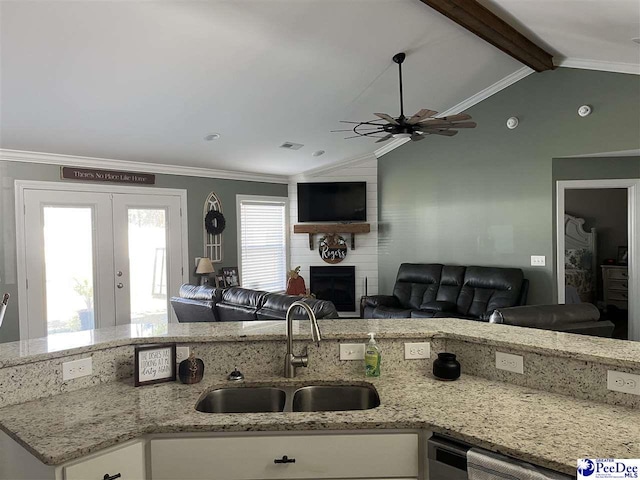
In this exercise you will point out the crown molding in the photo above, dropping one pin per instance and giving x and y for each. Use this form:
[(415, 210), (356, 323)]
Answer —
[(349, 162), (142, 167), (601, 65)]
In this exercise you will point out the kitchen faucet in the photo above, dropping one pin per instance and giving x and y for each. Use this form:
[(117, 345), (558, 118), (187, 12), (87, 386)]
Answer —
[(292, 361)]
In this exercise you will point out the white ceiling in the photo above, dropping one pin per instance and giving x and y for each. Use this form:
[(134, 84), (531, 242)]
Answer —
[(147, 80), (578, 31)]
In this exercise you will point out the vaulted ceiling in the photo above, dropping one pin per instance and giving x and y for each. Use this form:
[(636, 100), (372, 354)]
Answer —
[(147, 81)]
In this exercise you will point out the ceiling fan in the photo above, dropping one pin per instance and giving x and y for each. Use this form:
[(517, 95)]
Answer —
[(415, 127)]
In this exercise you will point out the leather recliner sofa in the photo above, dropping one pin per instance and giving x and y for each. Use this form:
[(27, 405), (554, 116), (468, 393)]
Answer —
[(582, 318), (435, 290), (235, 304)]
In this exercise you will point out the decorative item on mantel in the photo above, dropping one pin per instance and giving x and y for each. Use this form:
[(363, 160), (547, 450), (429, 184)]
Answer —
[(191, 370), (333, 248), (332, 228)]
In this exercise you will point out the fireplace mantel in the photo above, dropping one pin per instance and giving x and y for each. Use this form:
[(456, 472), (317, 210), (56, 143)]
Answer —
[(351, 228)]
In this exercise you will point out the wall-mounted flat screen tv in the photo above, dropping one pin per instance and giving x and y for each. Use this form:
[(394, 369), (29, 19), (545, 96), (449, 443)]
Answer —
[(332, 202)]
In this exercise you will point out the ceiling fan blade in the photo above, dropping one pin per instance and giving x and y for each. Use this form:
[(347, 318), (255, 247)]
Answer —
[(465, 125), (448, 133), (388, 118), (457, 117), (384, 139), (434, 122), (424, 113), (416, 137)]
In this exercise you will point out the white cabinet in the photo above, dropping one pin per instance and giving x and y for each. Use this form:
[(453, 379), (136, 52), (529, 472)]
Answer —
[(317, 456), (128, 461)]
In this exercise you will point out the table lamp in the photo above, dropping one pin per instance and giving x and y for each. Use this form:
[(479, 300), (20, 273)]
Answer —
[(204, 269)]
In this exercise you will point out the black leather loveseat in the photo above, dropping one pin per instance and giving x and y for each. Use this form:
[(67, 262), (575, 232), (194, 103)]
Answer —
[(424, 290), (209, 304)]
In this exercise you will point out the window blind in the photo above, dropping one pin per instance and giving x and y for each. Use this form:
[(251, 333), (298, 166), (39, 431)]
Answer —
[(263, 248)]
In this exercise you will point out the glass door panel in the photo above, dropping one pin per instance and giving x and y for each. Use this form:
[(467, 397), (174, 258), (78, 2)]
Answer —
[(69, 260), (147, 242)]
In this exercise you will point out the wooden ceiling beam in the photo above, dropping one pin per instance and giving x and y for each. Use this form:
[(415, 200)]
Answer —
[(491, 28)]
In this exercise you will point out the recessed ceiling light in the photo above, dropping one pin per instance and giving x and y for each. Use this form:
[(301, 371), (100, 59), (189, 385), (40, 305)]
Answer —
[(637, 40), (212, 136), (317, 153)]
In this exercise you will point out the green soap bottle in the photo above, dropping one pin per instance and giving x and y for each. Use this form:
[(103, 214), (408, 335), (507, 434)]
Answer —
[(372, 358)]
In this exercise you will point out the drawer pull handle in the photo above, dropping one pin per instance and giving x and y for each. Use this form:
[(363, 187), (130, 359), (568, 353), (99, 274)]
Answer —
[(111, 477), (285, 459)]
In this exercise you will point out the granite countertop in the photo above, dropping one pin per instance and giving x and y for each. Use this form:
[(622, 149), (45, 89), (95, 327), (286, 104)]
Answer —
[(580, 347), (543, 428)]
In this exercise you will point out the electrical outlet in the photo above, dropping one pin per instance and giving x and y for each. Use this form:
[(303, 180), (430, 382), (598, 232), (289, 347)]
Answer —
[(182, 353), (414, 351), (509, 362), (77, 368), (623, 382), (352, 351), (538, 260)]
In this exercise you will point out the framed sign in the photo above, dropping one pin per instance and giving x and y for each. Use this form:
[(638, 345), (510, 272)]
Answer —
[(111, 176), (155, 364), (333, 248)]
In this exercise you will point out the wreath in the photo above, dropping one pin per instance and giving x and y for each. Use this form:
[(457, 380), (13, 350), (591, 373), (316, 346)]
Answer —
[(214, 222)]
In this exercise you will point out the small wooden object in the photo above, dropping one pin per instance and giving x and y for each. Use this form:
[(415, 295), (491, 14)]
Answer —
[(191, 370)]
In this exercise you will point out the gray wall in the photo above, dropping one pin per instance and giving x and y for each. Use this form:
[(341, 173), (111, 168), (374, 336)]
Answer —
[(606, 210), (485, 197), (197, 191)]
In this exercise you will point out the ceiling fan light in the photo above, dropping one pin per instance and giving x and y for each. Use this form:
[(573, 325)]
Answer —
[(401, 135)]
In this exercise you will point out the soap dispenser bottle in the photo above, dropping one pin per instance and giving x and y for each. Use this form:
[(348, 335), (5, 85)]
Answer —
[(372, 358)]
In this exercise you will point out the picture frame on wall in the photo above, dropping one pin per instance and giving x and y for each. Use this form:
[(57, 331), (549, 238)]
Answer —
[(220, 281), (623, 255), (231, 276)]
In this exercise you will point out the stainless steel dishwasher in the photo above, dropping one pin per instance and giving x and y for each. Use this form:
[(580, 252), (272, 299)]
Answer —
[(447, 459)]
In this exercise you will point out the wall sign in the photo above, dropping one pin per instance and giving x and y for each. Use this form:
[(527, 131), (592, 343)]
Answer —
[(110, 176), (333, 248), (155, 364)]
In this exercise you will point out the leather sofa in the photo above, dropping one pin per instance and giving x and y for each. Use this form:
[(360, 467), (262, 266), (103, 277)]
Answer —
[(582, 318), (426, 290), (235, 304)]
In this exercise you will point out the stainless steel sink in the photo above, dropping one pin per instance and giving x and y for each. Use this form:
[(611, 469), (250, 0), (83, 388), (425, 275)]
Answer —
[(243, 400), (311, 398), (328, 398)]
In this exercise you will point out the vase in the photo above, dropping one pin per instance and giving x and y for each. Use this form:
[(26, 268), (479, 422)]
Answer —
[(191, 370), (446, 367)]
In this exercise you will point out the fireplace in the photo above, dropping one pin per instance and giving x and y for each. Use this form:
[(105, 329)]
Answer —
[(336, 284)]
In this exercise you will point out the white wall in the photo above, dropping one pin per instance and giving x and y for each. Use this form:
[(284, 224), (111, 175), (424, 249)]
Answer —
[(365, 255)]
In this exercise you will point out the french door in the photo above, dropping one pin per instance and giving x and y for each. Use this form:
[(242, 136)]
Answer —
[(98, 256)]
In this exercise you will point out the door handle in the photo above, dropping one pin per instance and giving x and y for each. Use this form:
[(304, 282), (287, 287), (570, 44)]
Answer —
[(120, 285), (119, 273)]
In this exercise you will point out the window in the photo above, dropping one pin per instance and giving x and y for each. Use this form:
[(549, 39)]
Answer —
[(262, 242)]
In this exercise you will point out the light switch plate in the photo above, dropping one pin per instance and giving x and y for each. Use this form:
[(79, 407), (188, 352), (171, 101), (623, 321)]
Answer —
[(77, 368), (510, 362), (182, 353), (413, 351), (352, 351), (538, 260), (623, 382)]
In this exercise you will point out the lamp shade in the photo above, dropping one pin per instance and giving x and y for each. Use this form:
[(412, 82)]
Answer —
[(205, 266)]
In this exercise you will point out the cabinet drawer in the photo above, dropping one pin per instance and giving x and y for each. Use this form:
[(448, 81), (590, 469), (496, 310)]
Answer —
[(128, 461), (619, 285), (618, 273), (617, 296), (316, 456)]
